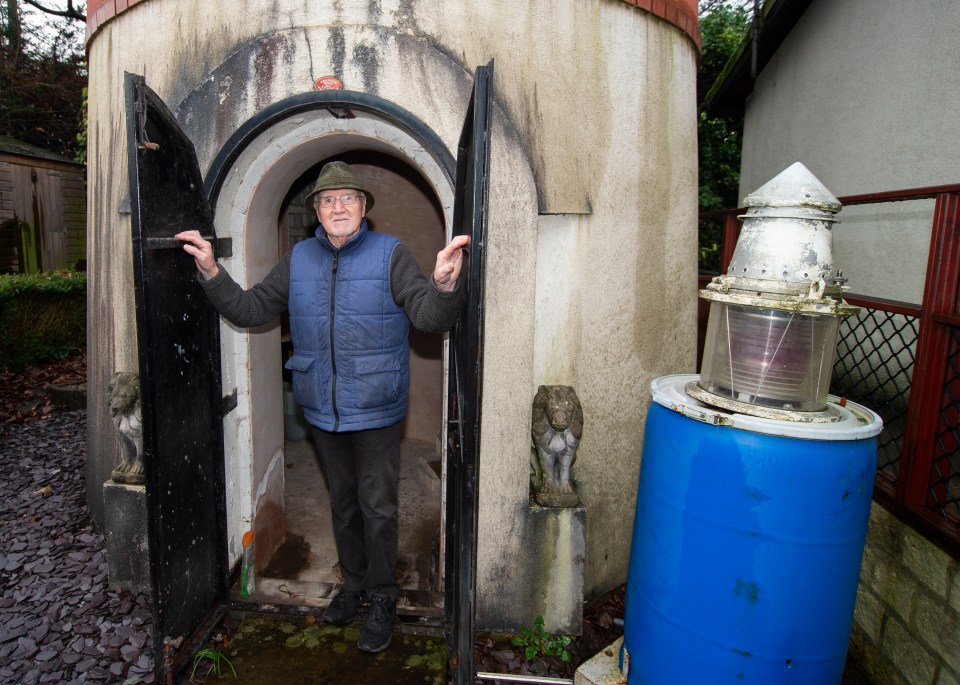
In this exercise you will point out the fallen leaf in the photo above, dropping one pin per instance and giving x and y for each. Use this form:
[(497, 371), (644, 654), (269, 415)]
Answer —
[(24, 395)]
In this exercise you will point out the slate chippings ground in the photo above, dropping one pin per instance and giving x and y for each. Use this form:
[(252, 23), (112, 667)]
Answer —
[(59, 620)]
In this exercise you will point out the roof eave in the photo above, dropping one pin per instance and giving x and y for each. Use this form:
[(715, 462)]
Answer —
[(728, 94)]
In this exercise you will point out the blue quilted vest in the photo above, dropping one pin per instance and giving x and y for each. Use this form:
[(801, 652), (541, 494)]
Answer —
[(351, 356)]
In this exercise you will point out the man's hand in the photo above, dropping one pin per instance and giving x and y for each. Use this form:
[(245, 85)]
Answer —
[(449, 261), (201, 251)]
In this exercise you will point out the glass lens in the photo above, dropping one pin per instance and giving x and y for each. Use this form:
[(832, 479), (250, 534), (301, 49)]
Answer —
[(769, 357)]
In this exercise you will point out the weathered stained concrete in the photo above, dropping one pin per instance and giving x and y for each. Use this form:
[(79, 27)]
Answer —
[(125, 531), (593, 170)]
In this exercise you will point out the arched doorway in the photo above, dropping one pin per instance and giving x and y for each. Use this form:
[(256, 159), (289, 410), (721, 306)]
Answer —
[(407, 208), (209, 425), (273, 485)]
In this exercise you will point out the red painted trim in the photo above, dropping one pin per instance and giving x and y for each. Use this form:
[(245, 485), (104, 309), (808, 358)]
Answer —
[(921, 193), (897, 195), (950, 320), (921, 519), (101, 15), (99, 12), (940, 297), (709, 214), (895, 306), (681, 13)]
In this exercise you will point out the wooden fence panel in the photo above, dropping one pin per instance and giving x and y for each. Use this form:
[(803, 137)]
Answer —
[(9, 231), (23, 215), (53, 233), (73, 191)]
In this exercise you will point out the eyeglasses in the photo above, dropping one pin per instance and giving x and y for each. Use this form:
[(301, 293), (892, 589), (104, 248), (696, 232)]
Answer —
[(330, 200)]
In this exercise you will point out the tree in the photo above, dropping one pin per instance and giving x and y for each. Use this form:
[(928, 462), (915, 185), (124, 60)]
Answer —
[(42, 74), (723, 26), (70, 12)]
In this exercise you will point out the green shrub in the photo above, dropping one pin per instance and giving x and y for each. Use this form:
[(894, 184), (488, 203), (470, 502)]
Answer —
[(537, 640), (42, 317)]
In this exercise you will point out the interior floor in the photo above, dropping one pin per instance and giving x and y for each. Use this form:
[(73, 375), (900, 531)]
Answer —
[(305, 570)]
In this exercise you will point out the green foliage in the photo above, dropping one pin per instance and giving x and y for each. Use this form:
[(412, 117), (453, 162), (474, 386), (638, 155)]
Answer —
[(711, 231), (723, 26), (42, 317), (720, 141), (42, 72), (214, 656), (537, 640), (82, 131), (13, 285)]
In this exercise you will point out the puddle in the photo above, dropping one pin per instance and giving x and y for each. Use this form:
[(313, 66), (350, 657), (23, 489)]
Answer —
[(273, 650), (290, 558)]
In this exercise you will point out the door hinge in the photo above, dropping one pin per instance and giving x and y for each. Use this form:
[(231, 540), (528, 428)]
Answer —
[(224, 248), (228, 403), (140, 111)]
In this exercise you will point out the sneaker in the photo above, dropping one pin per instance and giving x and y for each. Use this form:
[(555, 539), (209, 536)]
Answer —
[(378, 626), (342, 608)]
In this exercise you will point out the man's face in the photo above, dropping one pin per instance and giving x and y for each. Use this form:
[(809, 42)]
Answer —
[(340, 212)]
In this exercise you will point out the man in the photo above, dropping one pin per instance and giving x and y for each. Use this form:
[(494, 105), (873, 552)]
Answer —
[(351, 295)]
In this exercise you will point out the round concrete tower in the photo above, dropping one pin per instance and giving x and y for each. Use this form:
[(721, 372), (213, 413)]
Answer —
[(590, 256)]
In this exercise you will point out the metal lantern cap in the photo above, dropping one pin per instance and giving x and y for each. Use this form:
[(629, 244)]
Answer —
[(774, 316), (784, 256), (797, 189)]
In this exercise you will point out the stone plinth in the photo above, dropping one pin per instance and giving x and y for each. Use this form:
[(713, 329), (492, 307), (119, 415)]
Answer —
[(546, 576), (70, 397), (128, 556), (558, 564)]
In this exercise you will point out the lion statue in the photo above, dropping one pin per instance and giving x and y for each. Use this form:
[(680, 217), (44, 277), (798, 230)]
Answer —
[(124, 397), (556, 429)]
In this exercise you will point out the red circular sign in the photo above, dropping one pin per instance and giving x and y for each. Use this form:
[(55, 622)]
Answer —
[(327, 83)]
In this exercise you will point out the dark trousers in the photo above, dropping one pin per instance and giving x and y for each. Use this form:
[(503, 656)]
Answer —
[(362, 470)]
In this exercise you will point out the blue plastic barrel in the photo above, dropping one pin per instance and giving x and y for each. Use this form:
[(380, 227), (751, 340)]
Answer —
[(746, 544)]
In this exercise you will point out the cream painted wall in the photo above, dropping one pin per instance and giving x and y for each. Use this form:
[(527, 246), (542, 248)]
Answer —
[(593, 172), (613, 312), (866, 95)]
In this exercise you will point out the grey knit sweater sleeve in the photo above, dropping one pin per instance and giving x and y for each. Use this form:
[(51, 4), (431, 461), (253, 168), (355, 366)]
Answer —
[(429, 309), (247, 308)]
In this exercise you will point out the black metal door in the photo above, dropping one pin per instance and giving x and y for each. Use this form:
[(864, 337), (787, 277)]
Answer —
[(178, 338), (464, 384)]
